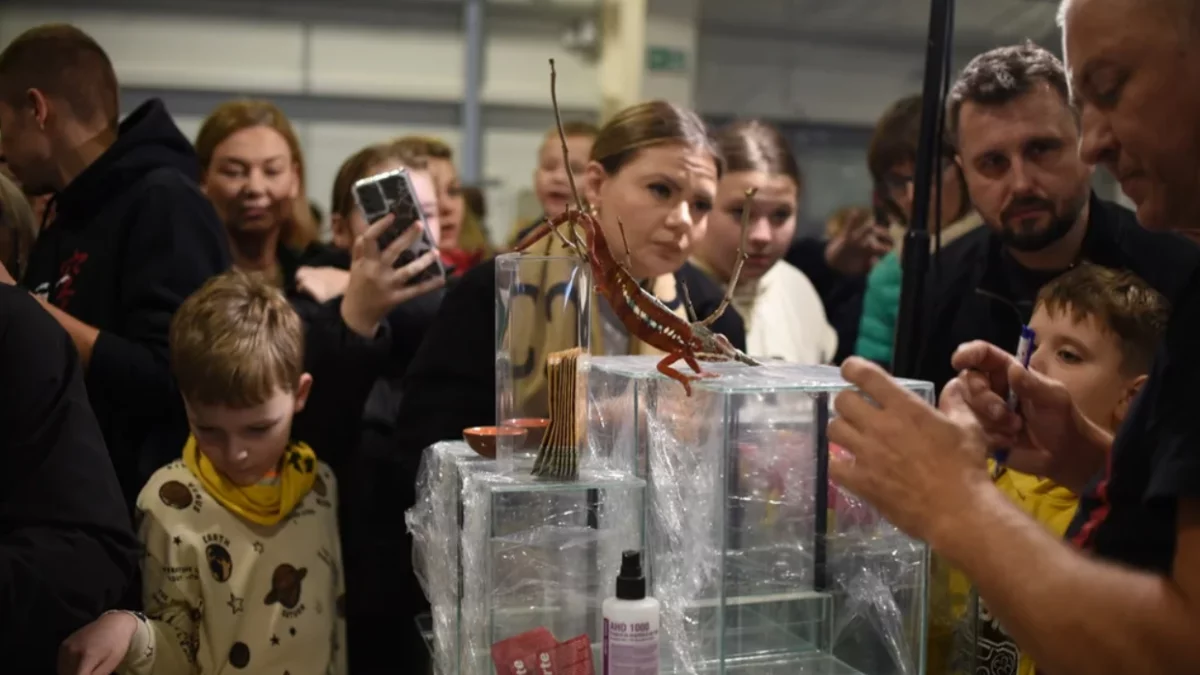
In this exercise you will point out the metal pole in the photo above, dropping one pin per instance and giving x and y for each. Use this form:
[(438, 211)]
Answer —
[(471, 160), (915, 259)]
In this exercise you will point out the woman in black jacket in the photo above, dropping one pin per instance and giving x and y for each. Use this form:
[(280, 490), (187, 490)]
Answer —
[(654, 167)]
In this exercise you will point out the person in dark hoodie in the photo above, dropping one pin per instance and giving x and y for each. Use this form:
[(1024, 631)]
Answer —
[(67, 550), (1017, 139), (132, 235)]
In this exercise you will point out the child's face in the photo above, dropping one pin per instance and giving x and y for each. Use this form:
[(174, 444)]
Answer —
[(245, 444), (1086, 357), (550, 178)]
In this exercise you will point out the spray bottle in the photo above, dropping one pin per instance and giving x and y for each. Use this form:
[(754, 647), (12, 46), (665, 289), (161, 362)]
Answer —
[(631, 623)]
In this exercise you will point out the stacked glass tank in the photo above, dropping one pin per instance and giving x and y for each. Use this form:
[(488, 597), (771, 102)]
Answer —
[(763, 566), (501, 552)]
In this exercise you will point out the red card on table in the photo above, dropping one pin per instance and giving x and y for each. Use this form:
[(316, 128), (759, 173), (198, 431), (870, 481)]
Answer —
[(506, 654)]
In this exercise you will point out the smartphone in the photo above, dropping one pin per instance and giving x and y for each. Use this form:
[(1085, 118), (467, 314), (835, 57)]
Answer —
[(392, 192)]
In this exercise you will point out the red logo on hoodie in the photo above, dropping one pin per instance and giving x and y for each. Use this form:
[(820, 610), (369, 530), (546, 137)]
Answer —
[(64, 288)]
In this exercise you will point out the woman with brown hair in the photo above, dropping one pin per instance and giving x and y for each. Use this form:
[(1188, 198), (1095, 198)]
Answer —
[(782, 310), (653, 167)]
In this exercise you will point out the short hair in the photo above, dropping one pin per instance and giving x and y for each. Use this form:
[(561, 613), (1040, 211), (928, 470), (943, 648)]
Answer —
[(65, 63), (423, 146), (1002, 75), (573, 128), (236, 341), (357, 166), (896, 137), (1120, 301)]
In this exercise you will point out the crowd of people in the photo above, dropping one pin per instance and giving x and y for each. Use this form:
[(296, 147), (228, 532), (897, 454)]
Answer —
[(213, 416)]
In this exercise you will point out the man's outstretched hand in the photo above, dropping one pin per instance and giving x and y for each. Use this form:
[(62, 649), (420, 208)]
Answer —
[(1047, 436), (919, 466)]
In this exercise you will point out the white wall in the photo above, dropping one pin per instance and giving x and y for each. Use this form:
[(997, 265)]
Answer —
[(404, 58), (358, 71)]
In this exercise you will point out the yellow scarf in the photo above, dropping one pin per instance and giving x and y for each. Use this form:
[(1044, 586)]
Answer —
[(265, 504), (548, 321)]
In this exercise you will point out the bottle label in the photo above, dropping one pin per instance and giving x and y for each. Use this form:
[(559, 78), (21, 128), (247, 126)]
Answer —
[(630, 648)]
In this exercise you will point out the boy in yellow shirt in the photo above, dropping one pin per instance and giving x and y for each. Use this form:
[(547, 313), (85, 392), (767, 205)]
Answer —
[(242, 568), (1096, 332)]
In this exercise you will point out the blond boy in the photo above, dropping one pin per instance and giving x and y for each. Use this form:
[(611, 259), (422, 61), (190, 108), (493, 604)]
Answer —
[(242, 567), (551, 184), (1096, 332)]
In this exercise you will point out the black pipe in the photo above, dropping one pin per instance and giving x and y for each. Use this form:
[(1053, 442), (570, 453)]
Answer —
[(915, 258)]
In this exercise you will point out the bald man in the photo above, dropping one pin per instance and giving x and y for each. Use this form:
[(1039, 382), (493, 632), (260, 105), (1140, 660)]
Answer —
[(1123, 596)]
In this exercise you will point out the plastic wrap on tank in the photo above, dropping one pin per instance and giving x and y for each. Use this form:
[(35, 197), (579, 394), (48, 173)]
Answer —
[(759, 565), (433, 524), (501, 553)]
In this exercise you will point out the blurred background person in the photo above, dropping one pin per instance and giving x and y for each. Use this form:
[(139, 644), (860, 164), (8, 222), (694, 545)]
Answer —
[(892, 160), (551, 184), (132, 236), (782, 311)]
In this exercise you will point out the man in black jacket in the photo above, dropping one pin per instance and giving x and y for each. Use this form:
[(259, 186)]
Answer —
[(1017, 138), (132, 234), (67, 552)]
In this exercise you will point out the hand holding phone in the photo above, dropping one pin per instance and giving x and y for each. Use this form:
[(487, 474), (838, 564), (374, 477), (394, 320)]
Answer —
[(379, 282), (392, 192)]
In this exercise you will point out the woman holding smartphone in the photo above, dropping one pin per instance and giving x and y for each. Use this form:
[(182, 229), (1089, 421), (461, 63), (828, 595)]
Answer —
[(252, 169)]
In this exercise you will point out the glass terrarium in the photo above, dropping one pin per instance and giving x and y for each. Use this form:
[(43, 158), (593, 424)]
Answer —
[(501, 552), (762, 564), (542, 308)]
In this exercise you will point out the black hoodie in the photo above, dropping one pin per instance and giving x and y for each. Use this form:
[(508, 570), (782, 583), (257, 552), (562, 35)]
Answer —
[(67, 550), (132, 237)]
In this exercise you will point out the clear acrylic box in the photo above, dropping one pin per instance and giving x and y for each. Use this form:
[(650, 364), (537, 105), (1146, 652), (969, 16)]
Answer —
[(501, 553), (543, 305), (755, 576)]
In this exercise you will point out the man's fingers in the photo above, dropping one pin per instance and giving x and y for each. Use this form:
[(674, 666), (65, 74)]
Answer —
[(853, 409), (850, 440), (985, 358), (982, 356), (874, 382), (1032, 387)]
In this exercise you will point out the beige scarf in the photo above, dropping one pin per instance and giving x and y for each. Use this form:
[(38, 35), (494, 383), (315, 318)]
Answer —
[(544, 319)]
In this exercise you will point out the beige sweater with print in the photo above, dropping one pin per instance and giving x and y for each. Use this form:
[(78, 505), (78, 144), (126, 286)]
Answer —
[(223, 595)]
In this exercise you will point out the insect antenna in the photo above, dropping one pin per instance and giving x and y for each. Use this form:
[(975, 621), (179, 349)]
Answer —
[(737, 266), (687, 301), (562, 138)]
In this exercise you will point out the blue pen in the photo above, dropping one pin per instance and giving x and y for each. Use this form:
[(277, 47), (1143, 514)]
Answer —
[(1024, 352)]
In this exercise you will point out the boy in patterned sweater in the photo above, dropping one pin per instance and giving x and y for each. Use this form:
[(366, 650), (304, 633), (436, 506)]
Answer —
[(242, 568)]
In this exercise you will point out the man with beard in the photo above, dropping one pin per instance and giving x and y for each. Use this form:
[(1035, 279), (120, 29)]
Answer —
[(1129, 601), (1016, 135), (132, 235)]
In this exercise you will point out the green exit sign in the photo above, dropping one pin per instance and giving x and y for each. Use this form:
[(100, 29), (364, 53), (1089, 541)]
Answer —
[(666, 60)]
